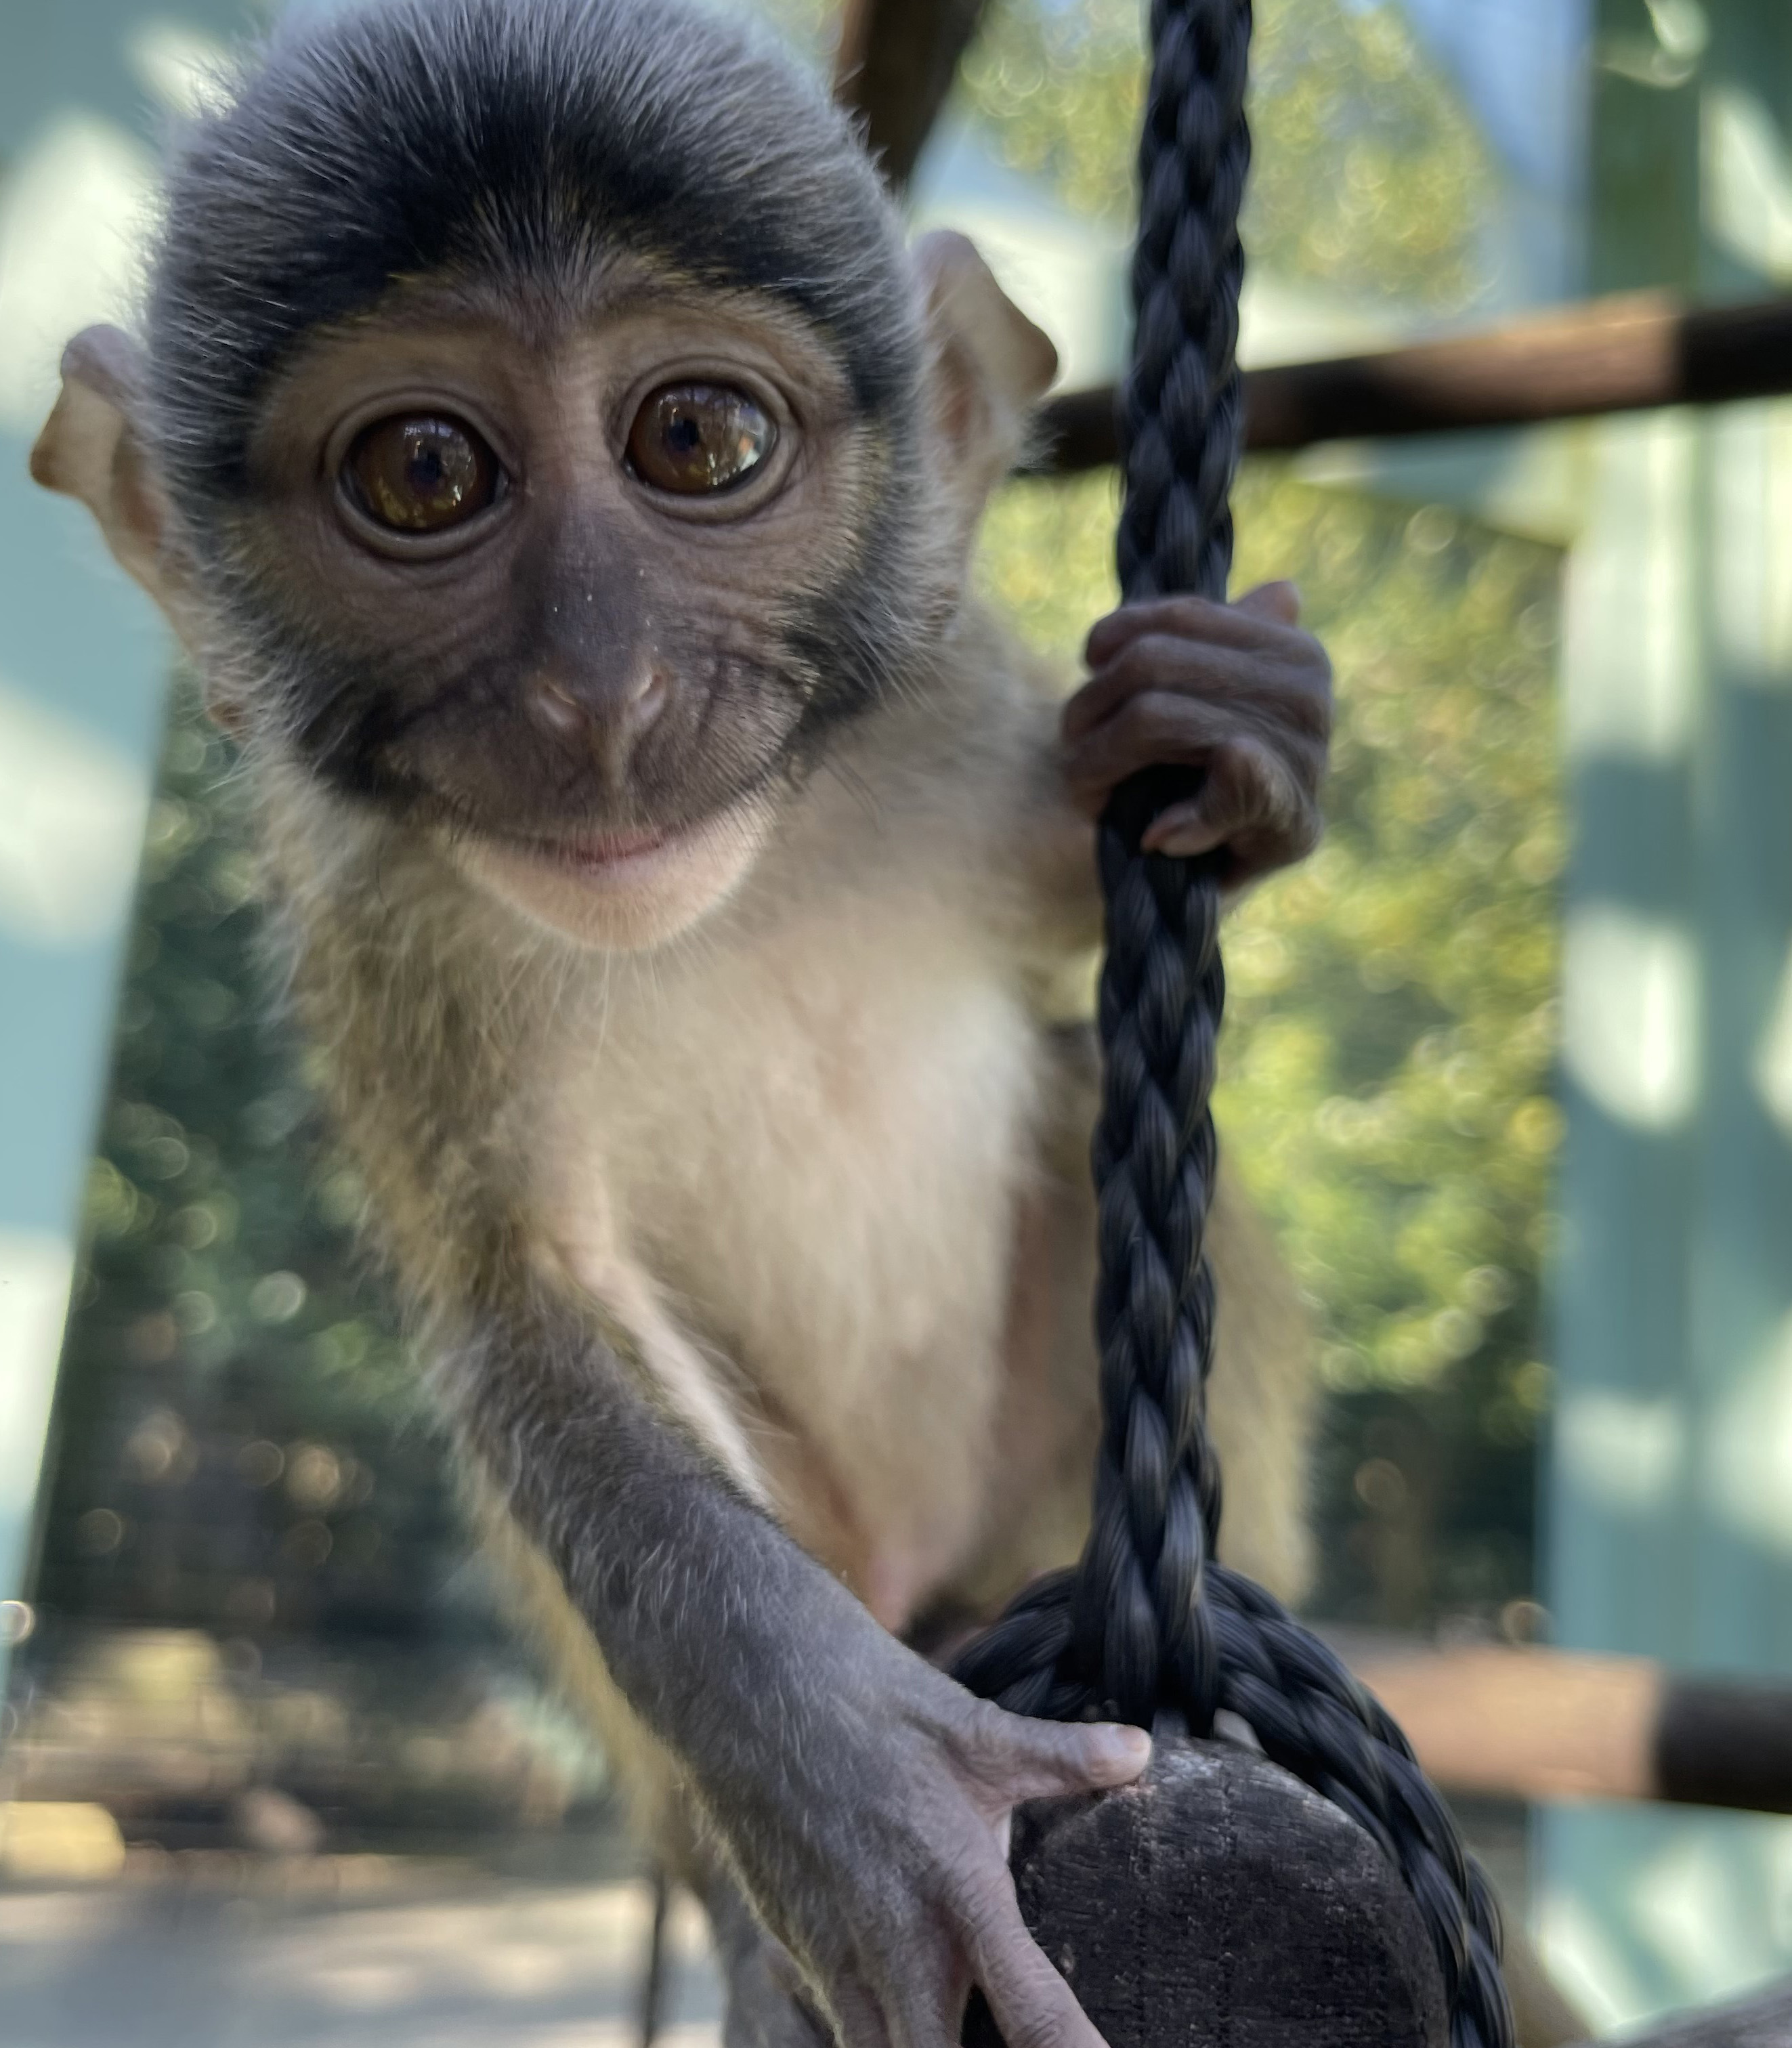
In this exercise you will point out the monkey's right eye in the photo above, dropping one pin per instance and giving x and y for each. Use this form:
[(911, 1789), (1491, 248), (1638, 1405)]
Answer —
[(696, 439), (421, 475)]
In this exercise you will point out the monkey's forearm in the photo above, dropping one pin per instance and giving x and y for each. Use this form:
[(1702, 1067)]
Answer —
[(717, 1627), (847, 1779)]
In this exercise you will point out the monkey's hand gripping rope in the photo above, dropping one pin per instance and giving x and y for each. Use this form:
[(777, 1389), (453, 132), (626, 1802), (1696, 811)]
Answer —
[(1147, 1627)]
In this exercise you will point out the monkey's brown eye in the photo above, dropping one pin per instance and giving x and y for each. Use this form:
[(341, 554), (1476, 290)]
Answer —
[(421, 476), (694, 437)]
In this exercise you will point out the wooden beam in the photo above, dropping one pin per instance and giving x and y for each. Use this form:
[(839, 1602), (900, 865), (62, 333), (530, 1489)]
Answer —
[(1549, 1725), (1627, 353), (895, 65)]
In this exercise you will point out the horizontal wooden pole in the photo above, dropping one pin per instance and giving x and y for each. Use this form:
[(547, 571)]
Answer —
[(1548, 1724), (1627, 353)]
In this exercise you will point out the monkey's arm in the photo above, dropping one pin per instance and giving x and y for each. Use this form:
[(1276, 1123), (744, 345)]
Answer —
[(863, 1797), (1237, 691)]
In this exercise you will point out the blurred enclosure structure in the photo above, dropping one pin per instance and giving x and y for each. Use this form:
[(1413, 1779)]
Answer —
[(1509, 1062)]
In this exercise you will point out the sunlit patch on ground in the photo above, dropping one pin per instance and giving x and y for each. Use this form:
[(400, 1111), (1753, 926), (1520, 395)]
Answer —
[(201, 1957)]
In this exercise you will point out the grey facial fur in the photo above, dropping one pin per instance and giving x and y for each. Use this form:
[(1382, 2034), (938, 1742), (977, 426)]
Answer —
[(526, 144), (518, 143)]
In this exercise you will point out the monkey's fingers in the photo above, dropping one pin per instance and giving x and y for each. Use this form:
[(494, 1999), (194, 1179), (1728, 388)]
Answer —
[(929, 1989), (1269, 611), (1033, 2005), (1012, 1758), (1249, 805), (1279, 600), (859, 2020), (1290, 687), (1160, 729)]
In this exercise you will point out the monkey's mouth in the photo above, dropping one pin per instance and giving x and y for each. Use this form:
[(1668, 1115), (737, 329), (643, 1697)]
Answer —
[(601, 853), (619, 888)]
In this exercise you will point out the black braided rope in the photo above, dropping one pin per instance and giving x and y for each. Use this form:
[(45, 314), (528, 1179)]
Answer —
[(1148, 1628)]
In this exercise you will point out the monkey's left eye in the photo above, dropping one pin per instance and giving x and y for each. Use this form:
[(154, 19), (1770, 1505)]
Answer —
[(422, 474), (698, 437)]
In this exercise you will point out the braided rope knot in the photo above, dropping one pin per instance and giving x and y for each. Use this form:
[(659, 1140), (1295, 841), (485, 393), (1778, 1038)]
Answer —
[(1312, 1716), (1147, 1624)]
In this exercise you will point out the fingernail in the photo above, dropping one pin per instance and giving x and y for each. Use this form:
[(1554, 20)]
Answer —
[(1126, 1748), (1167, 837)]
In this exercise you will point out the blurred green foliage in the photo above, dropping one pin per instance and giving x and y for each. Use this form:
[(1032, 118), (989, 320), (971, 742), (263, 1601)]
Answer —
[(1367, 175), (1387, 1066), (228, 1456), (1062, 89), (1387, 1084)]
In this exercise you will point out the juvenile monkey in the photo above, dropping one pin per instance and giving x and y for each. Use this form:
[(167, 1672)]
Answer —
[(564, 478)]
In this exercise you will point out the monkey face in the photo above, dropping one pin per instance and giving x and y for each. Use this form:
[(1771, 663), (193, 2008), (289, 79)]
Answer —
[(562, 589), (534, 389), (542, 437)]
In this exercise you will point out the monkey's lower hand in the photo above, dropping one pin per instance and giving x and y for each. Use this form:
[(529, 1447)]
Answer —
[(881, 1862), (1237, 690)]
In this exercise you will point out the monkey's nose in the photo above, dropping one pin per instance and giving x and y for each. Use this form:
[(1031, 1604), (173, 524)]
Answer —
[(646, 699), (609, 721)]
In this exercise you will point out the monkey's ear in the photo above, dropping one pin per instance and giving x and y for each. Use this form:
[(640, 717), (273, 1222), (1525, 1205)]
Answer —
[(991, 365), (91, 449)]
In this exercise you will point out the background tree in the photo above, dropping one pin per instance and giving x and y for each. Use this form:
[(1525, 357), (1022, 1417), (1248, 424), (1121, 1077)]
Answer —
[(235, 1450)]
